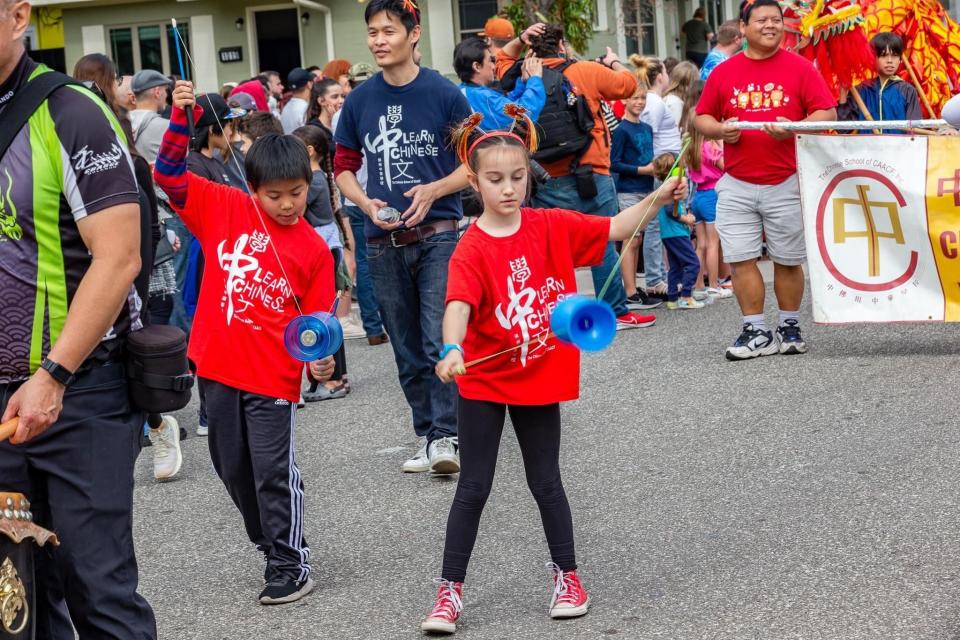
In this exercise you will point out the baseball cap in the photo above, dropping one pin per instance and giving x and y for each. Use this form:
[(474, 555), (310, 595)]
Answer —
[(242, 100), (360, 71), (216, 108), (499, 28), (298, 78), (148, 79)]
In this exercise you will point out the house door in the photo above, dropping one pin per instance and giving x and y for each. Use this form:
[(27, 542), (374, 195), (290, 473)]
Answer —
[(277, 33)]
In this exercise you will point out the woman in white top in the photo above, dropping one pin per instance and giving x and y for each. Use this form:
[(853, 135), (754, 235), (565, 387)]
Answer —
[(682, 80), (666, 130)]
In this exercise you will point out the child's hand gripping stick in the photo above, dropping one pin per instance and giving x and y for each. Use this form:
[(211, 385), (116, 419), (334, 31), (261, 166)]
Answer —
[(679, 172), (589, 325), (313, 337)]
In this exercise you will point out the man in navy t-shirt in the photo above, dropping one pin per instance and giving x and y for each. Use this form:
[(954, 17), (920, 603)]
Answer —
[(400, 122)]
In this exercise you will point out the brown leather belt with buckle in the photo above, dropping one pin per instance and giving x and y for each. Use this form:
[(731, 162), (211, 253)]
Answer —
[(419, 233)]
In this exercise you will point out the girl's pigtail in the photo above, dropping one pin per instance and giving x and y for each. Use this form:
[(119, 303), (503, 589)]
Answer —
[(523, 124), (460, 137)]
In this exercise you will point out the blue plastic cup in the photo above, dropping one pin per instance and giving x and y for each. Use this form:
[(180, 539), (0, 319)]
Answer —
[(587, 324), (314, 336)]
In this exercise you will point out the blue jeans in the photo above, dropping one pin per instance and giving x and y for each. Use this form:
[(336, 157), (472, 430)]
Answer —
[(411, 285), (561, 193), (178, 317), (369, 307), (653, 250)]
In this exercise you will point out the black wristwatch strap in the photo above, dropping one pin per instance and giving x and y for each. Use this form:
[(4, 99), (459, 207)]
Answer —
[(57, 371)]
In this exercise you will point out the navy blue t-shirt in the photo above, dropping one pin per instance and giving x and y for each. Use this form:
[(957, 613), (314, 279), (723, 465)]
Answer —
[(404, 133), (632, 147)]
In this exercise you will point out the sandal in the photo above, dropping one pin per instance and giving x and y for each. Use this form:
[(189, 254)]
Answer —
[(323, 392)]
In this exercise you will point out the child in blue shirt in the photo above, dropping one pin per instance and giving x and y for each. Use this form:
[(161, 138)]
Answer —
[(631, 155), (886, 97), (675, 234)]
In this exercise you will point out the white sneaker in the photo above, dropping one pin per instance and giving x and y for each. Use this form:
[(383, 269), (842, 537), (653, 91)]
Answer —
[(166, 449), (352, 329), (719, 293), (701, 295), (444, 459), (419, 463), (203, 430)]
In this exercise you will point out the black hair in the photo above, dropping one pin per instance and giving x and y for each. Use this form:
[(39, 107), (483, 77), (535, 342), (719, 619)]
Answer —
[(547, 44), (274, 157), (885, 44), (313, 136), (470, 51), (396, 8), (747, 7), (312, 68)]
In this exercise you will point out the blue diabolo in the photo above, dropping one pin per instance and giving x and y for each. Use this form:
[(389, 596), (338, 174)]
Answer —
[(314, 336), (588, 324)]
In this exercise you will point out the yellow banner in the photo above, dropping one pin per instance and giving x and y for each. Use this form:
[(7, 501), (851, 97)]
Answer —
[(943, 217)]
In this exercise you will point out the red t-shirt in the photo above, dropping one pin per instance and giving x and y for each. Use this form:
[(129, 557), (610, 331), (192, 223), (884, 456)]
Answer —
[(245, 300), (784, 84), (512, 285)]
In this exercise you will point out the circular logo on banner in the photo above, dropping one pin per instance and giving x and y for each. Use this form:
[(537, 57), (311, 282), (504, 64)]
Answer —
[(860, 233)]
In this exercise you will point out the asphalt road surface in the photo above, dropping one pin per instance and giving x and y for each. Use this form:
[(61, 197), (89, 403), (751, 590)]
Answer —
[(802, 497)]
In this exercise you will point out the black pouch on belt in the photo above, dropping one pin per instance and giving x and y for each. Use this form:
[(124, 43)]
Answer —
[(160, 379), (586, 185)]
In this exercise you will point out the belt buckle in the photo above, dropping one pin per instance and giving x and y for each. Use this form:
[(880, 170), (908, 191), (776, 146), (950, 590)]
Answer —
[(393, 240)]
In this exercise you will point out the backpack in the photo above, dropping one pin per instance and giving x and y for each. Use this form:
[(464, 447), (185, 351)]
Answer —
[(566, 122)]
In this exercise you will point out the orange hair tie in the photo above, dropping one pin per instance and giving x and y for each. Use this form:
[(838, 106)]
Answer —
[(412, 8)]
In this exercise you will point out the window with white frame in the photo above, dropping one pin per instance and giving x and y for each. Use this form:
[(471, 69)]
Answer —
[(600, 22), (639, 25), (148, 46)]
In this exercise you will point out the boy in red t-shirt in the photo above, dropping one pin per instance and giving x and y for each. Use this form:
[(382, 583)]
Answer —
[(261, 270), (507, 274), (759, 196)]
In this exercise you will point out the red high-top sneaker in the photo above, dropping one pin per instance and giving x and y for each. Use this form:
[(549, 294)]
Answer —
[(570, 599), (446, 612)]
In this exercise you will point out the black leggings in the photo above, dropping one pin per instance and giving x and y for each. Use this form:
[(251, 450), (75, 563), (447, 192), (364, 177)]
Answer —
[(479, 427)]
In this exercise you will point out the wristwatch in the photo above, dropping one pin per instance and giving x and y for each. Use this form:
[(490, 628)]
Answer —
[(447, 348), (57, 371)]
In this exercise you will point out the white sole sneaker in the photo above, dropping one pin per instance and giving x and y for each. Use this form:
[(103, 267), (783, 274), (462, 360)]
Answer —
[(445, 465), (436, 625), (172, 428), (560, 613), (419, 463), (293, 597), (770, 350)]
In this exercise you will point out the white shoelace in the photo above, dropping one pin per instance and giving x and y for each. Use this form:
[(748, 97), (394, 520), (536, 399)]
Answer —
[(448, 597), (160, 447), (561, 587)]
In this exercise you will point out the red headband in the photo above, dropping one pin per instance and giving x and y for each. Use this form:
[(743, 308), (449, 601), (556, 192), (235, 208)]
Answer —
[(493, 134)]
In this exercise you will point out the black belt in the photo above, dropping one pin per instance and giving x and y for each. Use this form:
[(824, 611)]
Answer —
[(419, 233)]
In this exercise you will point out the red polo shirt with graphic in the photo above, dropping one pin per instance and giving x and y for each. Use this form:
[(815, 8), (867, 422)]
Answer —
[(247, 297), (784, 84), (512, 285)]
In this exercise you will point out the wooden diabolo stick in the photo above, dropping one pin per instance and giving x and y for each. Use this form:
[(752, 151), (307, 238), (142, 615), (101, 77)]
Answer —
[(8, 428), (918, 87), (862, 106)]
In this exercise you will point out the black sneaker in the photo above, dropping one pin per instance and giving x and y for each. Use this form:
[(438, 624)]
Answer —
[(641, 300), (791, 342), (284, 589), (753, 343)]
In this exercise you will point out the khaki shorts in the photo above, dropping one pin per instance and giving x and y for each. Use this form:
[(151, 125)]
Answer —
[(745, 212)]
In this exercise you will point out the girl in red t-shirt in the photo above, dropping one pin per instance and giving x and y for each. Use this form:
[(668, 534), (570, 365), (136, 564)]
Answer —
[(507, 274)]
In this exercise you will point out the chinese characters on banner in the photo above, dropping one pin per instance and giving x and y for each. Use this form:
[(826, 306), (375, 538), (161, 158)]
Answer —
[(882, 226)]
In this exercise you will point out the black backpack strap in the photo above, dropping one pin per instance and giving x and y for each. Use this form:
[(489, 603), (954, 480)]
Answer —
[(27, 100)]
